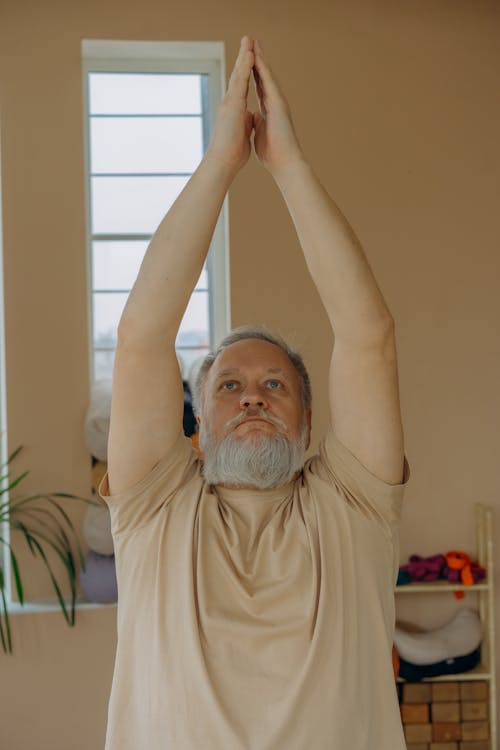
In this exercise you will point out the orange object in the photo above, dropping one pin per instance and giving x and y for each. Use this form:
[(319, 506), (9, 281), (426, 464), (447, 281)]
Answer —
[(457, 560), (395, 662)]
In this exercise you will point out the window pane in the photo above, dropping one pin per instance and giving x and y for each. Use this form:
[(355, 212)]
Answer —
[(108, 310), (202, 282), (116, 264), (141, 144), (132, 205), (103, 364), (144, 93), (194, 330), (188, 357)]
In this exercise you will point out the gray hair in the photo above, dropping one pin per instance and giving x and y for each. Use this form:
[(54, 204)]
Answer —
[(241, 334)]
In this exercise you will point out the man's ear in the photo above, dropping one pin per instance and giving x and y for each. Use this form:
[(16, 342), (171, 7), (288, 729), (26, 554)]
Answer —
[(198, 420)]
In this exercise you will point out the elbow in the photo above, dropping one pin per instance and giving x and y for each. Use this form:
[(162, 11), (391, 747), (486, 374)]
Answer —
[(381, 329), (368, 331), (380, 336), (388, 325), (387, 337)]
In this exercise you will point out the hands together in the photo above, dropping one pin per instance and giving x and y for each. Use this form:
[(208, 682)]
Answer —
[(275, 142)]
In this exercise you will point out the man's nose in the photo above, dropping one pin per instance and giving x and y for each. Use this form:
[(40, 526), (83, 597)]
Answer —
[(252, 396)]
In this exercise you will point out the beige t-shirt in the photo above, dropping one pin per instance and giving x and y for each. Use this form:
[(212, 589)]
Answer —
[(256, 620)]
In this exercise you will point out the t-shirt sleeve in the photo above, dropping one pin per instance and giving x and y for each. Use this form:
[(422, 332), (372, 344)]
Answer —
[(364, 491), (138, 505)]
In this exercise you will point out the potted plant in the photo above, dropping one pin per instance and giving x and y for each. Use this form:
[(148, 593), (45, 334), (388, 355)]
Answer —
[(44, 524)]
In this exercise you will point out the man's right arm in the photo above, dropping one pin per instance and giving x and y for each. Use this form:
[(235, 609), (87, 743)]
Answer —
[(147, 399)]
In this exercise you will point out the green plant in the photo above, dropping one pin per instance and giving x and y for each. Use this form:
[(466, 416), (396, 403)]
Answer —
[(44, 524)]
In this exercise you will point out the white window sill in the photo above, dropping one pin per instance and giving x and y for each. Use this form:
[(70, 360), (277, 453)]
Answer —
[(52, 605)]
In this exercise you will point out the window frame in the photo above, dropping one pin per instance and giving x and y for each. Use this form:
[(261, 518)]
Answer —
[(4, 449), (204, 58)]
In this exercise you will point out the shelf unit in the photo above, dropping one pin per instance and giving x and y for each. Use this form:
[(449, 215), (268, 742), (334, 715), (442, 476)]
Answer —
[(485, 670)]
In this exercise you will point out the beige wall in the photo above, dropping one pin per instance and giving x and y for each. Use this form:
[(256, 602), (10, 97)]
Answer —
[(397, 106)]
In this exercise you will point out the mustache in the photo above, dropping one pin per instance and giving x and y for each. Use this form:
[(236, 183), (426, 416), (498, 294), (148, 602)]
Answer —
[(255, 413)]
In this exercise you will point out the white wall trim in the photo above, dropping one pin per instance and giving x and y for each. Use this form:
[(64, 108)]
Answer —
[(4, 449), (117, 48)]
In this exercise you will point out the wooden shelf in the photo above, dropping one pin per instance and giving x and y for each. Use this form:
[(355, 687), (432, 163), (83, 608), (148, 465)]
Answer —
[(485, 605), (479, 672), (437, 587)]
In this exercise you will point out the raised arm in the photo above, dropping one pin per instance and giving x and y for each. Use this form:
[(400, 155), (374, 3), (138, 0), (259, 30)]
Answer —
[(363, 381), (147, 402)]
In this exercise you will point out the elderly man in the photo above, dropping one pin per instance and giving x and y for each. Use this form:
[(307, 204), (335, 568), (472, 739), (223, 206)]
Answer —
[(256, 591)]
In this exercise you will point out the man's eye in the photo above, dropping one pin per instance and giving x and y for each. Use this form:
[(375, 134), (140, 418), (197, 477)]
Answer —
[(274, 384), (229, 386)]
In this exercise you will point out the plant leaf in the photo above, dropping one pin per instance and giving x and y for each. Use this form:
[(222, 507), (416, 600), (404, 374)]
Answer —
[(2, 636), (65, 554), (59, 526), (19, 526), (14, 483), (52, 576), (17, 577), (32, 514), (6, 645), (14, 454), (66, 495), (7, 623)]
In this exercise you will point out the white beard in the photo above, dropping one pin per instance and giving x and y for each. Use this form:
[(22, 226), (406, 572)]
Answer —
[(264, 462)]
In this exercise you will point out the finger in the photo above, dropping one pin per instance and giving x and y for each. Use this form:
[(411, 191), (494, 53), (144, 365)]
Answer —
[(248, 123), (259, 90), (268, 83), (257, 117), (240, 76)]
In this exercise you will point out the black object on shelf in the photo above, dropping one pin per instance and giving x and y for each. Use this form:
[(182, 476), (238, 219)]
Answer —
[(456, 665)]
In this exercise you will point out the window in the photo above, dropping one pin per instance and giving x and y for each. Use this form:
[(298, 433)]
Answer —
[(149, 108)]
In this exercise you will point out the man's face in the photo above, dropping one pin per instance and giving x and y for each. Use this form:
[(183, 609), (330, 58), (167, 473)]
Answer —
[(253, 389)]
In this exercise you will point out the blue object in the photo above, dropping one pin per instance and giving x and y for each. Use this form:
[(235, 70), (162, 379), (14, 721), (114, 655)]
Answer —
[(417, 672)]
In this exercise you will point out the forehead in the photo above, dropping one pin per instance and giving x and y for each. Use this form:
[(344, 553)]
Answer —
[(252, 355)]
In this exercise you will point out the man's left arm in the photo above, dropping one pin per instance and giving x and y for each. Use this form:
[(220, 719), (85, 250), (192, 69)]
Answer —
[(363, 380)]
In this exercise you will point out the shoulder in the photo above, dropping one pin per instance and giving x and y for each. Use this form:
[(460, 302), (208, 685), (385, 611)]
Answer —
[(139, 504), (337, 469)]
